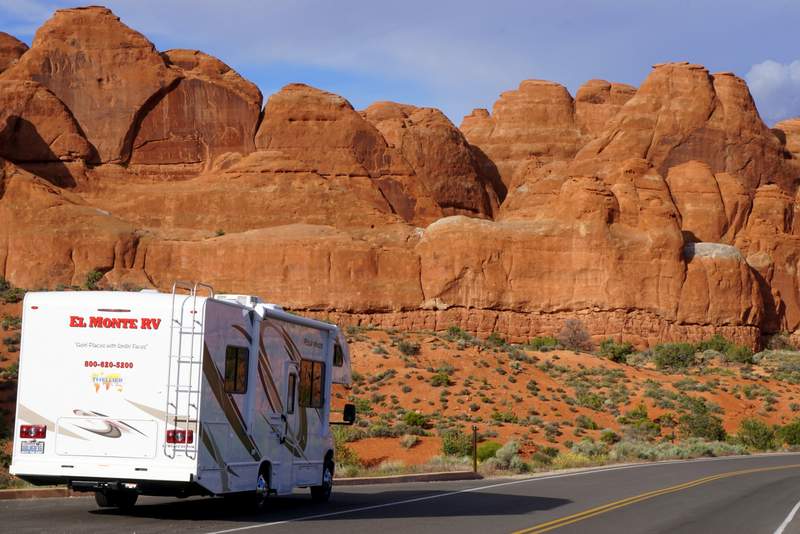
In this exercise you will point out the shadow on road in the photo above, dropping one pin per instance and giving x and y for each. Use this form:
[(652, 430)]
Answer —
[(431, 504)]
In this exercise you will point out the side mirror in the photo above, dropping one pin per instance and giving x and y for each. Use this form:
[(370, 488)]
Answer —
[(349, 414)]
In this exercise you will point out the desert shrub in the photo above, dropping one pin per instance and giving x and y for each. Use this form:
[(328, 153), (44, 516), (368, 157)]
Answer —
[(790, 433), (11, 295), (441, 379), (637, 424), (379, 349), (532, 386), (4, 284), (456, 443), (415, 419), (739, 354), (609, 437), (616, 352), (343, 455), (11, 372), (585, 422), (408, 440), (487, 450), (700, 422), (11, 322), (780, 342), (504, 417), (567, 460), (590, 448), (674, 355), (92, 278), (690, 448), (756, 435), (507, 458), (574, 336), (495, 340), (408, 348), (716, 342), (542, 342)]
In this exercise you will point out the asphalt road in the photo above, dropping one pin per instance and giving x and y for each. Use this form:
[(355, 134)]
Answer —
[(729, 495)]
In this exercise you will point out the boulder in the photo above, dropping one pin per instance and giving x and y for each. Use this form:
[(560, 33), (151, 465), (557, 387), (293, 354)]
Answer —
[(11, 49), (107, 74), (211, 111)]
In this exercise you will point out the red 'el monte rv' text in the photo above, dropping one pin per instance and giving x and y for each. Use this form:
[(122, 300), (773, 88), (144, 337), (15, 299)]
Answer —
[(143, 323)]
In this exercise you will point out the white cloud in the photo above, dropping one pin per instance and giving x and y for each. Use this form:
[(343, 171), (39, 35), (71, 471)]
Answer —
[(776, 89)]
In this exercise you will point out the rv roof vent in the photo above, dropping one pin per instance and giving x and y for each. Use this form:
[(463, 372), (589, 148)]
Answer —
[(272, 306), (147, 290)]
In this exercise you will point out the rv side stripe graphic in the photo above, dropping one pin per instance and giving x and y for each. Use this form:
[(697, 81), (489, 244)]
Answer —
[(226, 402), (29, 416), (208, 441), (273, 394)]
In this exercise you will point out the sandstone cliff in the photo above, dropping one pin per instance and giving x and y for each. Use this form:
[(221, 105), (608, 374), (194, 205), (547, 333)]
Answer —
[(663, 212)]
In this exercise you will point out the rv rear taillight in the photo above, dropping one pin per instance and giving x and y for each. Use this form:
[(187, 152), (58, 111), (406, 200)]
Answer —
[(180, 436), (32, 431)]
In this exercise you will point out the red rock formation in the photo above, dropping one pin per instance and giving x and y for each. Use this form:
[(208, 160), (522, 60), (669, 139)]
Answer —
[(439, 155), (324, 131), (11, 49), (789, 134), (49, 236), (532, 125), (106, 73), (211, 111), (663, 213), (38, 127), (597, 101)]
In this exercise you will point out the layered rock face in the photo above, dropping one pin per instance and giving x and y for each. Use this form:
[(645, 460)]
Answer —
[(666, 212)]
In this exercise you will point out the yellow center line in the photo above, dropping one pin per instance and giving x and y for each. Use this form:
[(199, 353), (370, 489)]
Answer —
[(586, 514)]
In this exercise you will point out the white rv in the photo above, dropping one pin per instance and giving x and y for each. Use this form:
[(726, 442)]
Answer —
[(176, 394)]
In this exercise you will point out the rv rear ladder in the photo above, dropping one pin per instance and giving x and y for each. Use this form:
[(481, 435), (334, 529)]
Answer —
[(184, 375)]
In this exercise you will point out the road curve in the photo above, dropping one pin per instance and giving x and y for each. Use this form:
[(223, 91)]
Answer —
[(744, 494)]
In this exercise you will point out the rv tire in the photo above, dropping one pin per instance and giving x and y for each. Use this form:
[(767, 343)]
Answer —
[(261, 495), (322, 493), (115, 499)]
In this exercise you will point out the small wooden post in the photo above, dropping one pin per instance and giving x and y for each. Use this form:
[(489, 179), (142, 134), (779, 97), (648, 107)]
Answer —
[(474, 449)]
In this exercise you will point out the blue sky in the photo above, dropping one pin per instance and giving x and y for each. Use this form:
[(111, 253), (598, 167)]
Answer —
[(457, 55)]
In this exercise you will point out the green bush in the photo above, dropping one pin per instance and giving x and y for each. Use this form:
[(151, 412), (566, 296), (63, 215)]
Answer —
[(609, 437), (701, 423), (456, 443), (585, 422), (616, 352), (415, 419), (590, 448), (408, 348), (543, 342), (739, 354), (716, 342), (441, 379), (92, 277), (495, 340), (790, 433), (487, 450), (756, 435), (408, 440), (674, 355)]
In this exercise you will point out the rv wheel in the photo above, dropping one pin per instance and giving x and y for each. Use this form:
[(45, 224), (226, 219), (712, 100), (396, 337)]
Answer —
[(323, 493), (262, 490), (115, 499)]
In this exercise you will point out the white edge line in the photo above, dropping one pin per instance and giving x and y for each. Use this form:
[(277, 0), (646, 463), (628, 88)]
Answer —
[(788, 519), (501, 484)]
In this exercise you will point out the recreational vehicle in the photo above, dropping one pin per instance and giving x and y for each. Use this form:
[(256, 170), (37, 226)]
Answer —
[(147, 393)]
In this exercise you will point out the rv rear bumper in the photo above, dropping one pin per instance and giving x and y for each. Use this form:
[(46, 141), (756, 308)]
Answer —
[(167, 488)]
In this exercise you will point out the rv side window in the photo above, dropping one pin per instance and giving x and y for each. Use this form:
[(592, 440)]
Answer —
[(312, 376), (338, 356), (290, 400), (236, 360)]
